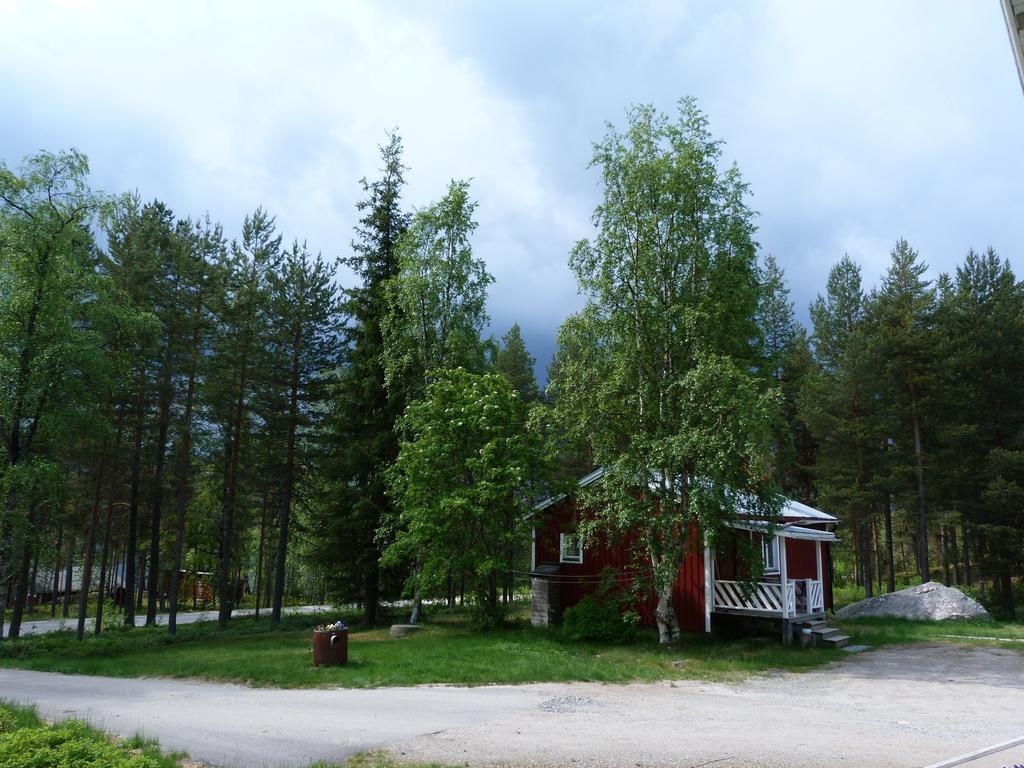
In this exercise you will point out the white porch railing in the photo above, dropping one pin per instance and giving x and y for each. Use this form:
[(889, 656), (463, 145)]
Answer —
[(767, 597), (802, 596), (815, 593)]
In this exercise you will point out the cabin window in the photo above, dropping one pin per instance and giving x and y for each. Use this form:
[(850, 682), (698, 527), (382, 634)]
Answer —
[(570, 548), (770, 553)]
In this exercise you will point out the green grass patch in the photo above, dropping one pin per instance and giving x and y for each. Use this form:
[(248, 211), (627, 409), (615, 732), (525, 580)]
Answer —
[(28, 742), (878, 631), (448, 650)]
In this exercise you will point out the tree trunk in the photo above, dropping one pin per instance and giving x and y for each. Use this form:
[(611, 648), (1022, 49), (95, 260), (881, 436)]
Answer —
[(1006, 595), (132, 545), (922, 510), (143, 558), (33, 577), (878, 551), (417, 598), (20, 590), (90, 538), (259, 554), (183, 482), (865, 543), (289, 470), (944, 542), (68, 575), (889, 543), (968, 575), (57, 564), (371, 590), (104, 560), (156, 504), (227, 532)]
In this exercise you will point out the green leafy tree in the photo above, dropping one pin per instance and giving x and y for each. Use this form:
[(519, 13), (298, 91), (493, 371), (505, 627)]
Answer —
[(661, 381), (52, 362), (438, 299), (437, 305), (462, 483)]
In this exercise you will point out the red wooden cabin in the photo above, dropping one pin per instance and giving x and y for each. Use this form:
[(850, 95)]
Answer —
[(795, 586)]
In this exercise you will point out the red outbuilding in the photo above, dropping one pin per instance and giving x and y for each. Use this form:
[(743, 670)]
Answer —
[(795, 586)]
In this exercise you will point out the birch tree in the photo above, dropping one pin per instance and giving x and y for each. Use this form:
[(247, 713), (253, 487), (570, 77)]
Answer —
[(662, 380)]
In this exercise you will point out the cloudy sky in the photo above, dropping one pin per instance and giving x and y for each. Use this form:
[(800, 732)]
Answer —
[(855, 123)]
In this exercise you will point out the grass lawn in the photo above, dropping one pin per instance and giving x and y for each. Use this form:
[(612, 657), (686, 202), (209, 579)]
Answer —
[(448, 650), (877, 632)]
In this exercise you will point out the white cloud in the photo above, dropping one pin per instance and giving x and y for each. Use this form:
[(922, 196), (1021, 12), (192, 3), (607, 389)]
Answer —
[(855, 124)]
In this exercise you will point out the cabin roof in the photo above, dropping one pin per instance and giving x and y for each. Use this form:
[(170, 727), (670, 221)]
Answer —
[(1013, 10), (791, 510), (786, 530)]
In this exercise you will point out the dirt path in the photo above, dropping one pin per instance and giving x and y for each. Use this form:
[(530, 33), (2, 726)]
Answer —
[(904, 707)]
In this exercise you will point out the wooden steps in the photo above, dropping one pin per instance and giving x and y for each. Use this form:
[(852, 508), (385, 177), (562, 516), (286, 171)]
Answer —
[(827, 636)]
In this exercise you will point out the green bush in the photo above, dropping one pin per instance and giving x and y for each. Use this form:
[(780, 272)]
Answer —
[(26, 742), (592, 619), (72, 745)]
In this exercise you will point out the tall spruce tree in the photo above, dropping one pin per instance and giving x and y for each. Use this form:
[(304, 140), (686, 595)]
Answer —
[(364, 410), (515, 363)]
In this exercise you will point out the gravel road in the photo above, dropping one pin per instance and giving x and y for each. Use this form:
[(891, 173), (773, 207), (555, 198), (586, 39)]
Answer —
[(893, 708)]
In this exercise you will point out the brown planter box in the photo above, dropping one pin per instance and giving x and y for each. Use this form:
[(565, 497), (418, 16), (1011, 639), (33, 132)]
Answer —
[(330, 648)]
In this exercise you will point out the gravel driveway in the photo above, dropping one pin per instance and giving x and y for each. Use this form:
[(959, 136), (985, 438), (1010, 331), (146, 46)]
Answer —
[(901, 707)]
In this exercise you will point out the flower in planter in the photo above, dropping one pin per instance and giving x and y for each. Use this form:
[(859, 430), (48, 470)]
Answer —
[(338, 626)]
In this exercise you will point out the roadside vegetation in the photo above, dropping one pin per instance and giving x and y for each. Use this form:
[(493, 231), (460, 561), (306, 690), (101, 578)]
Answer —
[(450, 649), (877, 632), (28, 742)]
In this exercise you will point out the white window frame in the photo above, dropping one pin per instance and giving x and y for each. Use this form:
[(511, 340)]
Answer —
[(564, 556), (770, 553)]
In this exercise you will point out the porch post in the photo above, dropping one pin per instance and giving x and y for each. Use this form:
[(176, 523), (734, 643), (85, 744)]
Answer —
[(821, 582), (784, 576), (787, 634), (709, 586)]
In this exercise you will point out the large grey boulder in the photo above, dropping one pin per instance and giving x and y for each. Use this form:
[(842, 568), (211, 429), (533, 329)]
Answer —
[(927, 602)]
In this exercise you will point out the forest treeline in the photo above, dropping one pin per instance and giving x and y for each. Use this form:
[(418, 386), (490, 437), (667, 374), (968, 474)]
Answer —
[(177, 407)]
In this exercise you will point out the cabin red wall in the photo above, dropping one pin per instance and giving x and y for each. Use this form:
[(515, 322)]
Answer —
[(575, 581), (802, 563)]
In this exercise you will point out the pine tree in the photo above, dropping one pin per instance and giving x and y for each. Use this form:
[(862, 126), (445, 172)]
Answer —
[(304, 325), (901, 316), (837, 404), (239, 349)]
